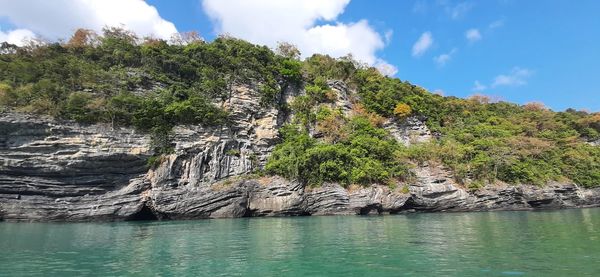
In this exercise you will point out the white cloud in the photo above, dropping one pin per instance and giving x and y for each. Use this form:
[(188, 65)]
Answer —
[(496, 24), (439, 92), (473, 35), (385, 68), (517, 77), (359, 39), (478, 87), (388, 36), (422, 44), (460, 10), (297, 21), (420, 7), (58, 19), (442, 59), (457, 11), (18, 37)]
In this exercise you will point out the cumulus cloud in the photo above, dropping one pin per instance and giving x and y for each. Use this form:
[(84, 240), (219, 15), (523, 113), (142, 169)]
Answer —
[(309, 24), (422, 44), (58, 19), (517, 77), (18, 37), (442, 59), (473, 35)]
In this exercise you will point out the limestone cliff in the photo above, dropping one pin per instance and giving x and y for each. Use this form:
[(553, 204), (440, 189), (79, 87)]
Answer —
[(63, 171)]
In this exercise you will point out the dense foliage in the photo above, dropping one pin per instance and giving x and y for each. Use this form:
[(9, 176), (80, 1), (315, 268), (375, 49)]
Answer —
[(480, 140), (364, 155), (123, 80), (153, 85)]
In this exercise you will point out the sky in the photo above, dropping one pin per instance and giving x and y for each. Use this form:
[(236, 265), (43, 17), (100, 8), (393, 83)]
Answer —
[(514, 50)]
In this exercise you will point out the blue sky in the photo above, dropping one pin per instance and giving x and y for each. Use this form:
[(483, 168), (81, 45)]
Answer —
[(518, 51)]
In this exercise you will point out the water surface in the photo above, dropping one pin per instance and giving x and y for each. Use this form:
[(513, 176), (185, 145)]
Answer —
[(548, 243)]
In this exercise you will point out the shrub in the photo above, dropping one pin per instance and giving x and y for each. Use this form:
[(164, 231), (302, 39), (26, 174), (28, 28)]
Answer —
[(401, 111), (331, 125), (233, 152), (364, 156), (154, 161), (78, 107)]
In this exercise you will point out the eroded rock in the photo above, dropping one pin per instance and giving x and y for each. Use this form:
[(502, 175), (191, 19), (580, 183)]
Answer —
[(408, 131), (61, 171)]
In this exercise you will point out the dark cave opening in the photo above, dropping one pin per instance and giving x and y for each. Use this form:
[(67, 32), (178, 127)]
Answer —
[(249, 213), (371, 210), (144, 214), (409, 207)]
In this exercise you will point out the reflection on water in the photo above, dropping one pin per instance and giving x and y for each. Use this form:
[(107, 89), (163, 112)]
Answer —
[(549, 243)]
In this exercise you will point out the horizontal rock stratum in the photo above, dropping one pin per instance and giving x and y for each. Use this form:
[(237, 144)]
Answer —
[(63, 171)]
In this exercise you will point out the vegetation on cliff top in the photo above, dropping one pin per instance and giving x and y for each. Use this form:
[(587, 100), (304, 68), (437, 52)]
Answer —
[(150, 84)]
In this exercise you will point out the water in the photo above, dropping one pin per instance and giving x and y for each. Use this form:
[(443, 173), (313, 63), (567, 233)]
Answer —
[(550, 243)]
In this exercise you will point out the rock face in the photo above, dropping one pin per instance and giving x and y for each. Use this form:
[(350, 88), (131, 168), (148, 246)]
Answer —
[(62, 171), (206, 155), (410, 131), (59, 171)]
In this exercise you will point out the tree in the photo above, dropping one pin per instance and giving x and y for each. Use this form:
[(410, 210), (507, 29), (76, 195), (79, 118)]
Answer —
[(535, 106), (592, 121), (119, 33), (83, 37), (484, 99), (358, 109), (401, 111), (186, 38), (77, 107), (122, 107), (5, 95), (328, 68), (291, 70), (302, 106), (332, 125), (287, 50)]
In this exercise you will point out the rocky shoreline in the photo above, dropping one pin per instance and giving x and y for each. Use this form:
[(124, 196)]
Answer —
[(278, 197), (62, 171)]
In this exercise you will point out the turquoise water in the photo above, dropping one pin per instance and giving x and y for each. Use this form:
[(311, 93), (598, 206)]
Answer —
[(549, 243)]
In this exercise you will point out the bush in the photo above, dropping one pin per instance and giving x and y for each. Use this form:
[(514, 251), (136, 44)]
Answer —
[(154, 161), (364, 156), (78, 107), (290, 70), (7, 97), (401, 111)]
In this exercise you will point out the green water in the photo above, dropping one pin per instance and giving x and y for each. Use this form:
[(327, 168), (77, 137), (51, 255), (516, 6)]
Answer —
[(549, 243)]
